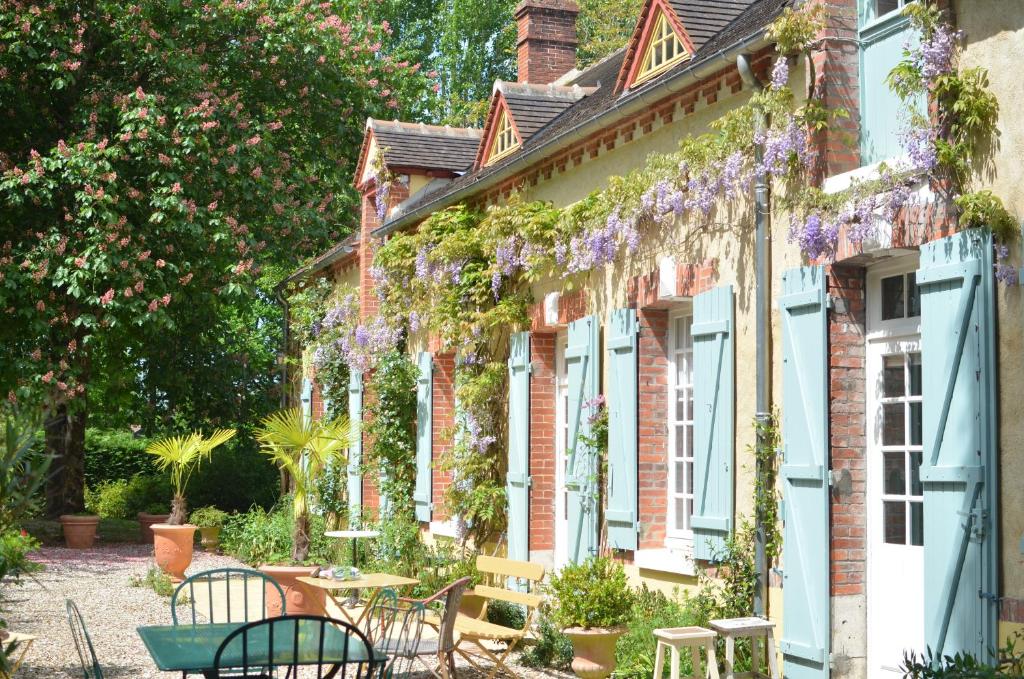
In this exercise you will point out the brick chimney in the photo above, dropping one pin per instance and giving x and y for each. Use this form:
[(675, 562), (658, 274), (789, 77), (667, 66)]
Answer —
[(546, 40)]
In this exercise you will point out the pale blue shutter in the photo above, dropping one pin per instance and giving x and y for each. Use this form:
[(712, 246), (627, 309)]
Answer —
[(582, 364), (518, 478), (306, 399), (424, 436), (958, 470), (621, 514), (804, 472), (355, 452), (713, 394)]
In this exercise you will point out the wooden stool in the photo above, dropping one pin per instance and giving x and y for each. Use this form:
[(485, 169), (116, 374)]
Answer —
[(757, 630), (686, 637)]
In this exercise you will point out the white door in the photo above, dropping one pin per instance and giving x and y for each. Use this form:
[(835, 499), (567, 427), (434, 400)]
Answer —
[(561, 445), (895, 509)]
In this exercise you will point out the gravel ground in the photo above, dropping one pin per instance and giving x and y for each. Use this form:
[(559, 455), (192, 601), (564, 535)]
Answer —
[(98, 580)]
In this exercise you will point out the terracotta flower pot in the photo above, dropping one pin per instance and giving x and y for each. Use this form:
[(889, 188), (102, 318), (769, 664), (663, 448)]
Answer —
[(298, 599), (79, 531), (210, 537), (146, 522), (593, 650), (173, 548)]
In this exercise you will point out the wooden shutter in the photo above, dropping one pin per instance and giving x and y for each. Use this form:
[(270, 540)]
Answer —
[(621, 514), (355, 452), (804, 472), (958, 470), (424, 436), (581, 359), (713, 396), (518, 478)]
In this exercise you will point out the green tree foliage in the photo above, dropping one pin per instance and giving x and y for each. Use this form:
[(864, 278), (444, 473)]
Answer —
[(157, 160), (604, 26)]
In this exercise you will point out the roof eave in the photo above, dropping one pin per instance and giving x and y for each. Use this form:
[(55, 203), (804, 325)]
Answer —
[(628, 104), (316, 266)]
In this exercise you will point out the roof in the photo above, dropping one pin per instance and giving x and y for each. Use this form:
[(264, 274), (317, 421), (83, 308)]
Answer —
[(348, 246), (754, 16), (446, 149)]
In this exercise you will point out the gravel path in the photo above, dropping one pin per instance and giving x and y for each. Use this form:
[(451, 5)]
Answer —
[(98, 580)]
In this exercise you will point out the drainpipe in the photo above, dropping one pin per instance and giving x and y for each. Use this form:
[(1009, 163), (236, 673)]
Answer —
[(283, 300), (762, 255)]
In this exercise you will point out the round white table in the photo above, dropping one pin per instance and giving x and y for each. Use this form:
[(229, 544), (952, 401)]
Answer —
[(354, 536)]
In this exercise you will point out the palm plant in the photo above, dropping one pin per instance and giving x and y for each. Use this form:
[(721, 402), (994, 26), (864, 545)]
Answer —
[(182, 455), (304, 449)]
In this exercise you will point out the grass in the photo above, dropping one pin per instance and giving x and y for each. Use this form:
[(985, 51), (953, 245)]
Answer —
[(110, 531), (158, 581)]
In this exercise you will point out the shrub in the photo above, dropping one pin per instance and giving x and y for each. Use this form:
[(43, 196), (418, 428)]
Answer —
[(261, 537), (124, 499), (208, 517), (634, 654), (236, 478), (551, 649), (399, 551), (108, 499), (506, 614), (965, 666), (591, 594), (114, 455), (15, 546)]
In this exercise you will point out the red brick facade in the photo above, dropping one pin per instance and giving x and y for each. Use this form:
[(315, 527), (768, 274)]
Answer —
[(542, 441), (847, 429), (443, 422), (546, 39), (652, 468), (837, 82)]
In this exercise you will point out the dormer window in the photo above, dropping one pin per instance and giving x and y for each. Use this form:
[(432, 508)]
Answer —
[(505, 141), (664, 49)]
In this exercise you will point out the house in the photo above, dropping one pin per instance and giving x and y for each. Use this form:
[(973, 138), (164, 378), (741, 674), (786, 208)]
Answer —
[(893, 362)]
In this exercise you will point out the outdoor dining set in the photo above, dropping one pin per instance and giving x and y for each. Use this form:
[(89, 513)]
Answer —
[(223, 624)]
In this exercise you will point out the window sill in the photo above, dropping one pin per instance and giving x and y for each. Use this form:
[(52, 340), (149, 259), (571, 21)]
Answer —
[(443, 528), (667, 560)]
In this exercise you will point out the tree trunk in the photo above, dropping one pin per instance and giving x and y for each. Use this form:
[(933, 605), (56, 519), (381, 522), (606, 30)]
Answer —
[(65, 442), (300, 538), (178, 513)]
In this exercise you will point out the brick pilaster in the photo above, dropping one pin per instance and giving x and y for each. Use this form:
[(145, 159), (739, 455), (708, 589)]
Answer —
[(652, 468), (847, 429), (542, 441), (443, 422)]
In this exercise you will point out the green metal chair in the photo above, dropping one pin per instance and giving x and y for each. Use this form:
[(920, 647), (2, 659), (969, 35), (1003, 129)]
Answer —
[(395, 629), (222, 584), (83, 644)]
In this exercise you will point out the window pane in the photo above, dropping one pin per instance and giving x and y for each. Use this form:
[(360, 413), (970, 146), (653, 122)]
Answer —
[(680, 515), (894, 473), (689, 441), (885, 6), (915, 474), (893, 425), (892, 298), (681, 442), (915, 374), (893, 377), (915, 424), (916, 524), (894, 516), (689, 478), (914, 296), (680, 477)]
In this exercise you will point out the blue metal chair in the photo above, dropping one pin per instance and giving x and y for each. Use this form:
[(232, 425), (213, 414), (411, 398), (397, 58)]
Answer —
[(336, 649), (395, 629), (83, 644), (218, 584)]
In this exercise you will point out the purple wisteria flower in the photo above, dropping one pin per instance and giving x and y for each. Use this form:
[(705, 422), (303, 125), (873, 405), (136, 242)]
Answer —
[(919, 143), (816, 237), (934, 57), (1005, 273), (780, 73)]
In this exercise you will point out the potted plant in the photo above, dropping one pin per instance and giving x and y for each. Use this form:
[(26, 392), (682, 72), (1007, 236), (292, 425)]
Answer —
[(181, 455), (303, 448), (210, 521), (79, 530), (592, 603), (154, 513)]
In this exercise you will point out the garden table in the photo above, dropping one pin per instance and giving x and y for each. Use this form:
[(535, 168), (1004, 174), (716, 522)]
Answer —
[(24, 642), (373, 582), (193, 648), (353, 535)]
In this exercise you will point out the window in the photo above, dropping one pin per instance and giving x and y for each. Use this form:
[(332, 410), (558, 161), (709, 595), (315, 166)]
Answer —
[(900, 297), (504, 139), (880, 8), (664, 49), (901, 433), (680, 426)]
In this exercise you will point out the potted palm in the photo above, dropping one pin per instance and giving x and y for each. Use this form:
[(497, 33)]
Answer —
[(592, 603), (180, 455), (304, 449), (210, 521)]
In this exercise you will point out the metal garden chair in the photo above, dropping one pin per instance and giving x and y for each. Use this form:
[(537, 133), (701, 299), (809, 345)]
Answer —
[(83, 644), (227, 595), (298, 644), (395, 629), (441, 651)]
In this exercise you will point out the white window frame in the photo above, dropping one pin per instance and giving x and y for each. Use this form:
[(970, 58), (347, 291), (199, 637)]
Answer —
[(561, 532), (676, 537)]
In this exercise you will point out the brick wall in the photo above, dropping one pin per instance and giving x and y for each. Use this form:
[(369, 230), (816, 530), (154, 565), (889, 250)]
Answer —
[(652, 466), (546, 39), (837, 81), (847, 429), (316, 401), (542, 441), (443, 421)]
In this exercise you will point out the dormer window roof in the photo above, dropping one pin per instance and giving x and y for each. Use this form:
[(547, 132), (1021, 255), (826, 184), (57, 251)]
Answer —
[(505, 140), (664, 49)]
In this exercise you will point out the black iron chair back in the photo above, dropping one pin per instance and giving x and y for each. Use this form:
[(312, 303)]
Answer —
[(83, 644), (395, 629), (217, 583), (302, 644)]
